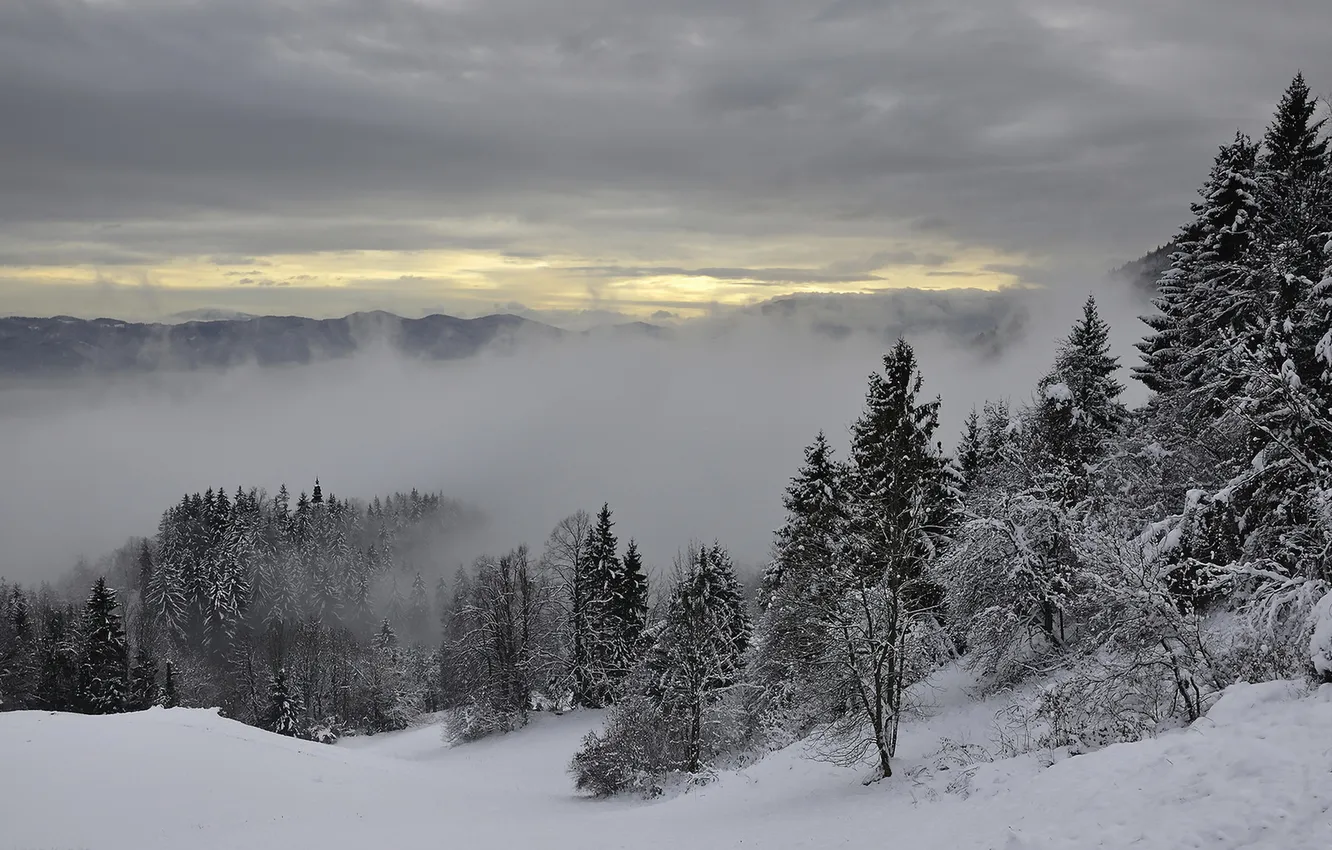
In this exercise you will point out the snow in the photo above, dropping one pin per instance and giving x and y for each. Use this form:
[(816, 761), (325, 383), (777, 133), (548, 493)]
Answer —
[(1253, 773), (1320, 642), (1058, 392)]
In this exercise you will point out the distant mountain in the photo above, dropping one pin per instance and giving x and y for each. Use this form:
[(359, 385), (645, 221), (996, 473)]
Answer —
[(1145, 271), (208, 314), (67, 346)]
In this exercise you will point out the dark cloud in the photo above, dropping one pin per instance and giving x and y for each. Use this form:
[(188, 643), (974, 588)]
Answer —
[(248, 127)]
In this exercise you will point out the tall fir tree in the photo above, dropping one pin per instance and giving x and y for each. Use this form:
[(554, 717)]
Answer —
[(1294, 149), (1207, 286), (142, 681), (805, 557), (596, 679), (971, 450), (284, 705), (1077, 408), (168, 696), (630, 607), (700, 648), (899, 474), (418, 611), (103, 661)]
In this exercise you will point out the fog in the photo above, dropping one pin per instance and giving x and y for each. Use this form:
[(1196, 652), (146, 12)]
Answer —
[(692, 437)]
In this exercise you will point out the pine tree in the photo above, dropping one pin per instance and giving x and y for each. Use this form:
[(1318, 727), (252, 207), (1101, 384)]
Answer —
[(1294, 150), (598, 679), (168, 697), (998, 431), (805, 552), (103, 662), (880, 602), (898, 467), (1077, 407), (1204, 290), (142, 681), (971, 450), (18, 652), (631, 606), (145, 577), (385, 638), (418, 611), (700, 648), (284, 709)]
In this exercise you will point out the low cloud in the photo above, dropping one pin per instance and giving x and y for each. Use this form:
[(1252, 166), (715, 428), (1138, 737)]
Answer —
[(693, 435)]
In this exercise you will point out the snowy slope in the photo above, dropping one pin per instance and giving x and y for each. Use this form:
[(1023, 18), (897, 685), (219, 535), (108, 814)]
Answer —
[(1256, 773)]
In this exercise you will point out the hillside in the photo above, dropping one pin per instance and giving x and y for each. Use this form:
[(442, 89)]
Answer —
[(1251, 774)]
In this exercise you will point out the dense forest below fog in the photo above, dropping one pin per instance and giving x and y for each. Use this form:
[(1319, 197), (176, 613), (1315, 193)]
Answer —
[(1130, 562)]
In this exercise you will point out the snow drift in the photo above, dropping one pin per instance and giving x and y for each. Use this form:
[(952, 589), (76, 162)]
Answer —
[(1253, 773)]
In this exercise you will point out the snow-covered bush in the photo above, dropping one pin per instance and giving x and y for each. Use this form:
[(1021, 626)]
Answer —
[(630, 754), (327, 731), (477, 719)]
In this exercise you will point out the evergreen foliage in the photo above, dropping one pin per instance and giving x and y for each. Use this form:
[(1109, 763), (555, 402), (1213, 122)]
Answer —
[(103, 660)]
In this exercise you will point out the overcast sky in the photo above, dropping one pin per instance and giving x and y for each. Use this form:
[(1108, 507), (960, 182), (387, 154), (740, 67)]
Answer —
[(625, 155)]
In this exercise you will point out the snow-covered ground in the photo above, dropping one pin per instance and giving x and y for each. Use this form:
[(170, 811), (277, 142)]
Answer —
[(1257, 772)]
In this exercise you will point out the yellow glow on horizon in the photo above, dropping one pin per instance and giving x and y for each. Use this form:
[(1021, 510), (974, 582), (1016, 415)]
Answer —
[(430, 277)]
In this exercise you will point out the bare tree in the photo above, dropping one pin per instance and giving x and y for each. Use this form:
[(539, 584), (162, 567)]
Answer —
[(509, 638), (566, 557), (881, 635)]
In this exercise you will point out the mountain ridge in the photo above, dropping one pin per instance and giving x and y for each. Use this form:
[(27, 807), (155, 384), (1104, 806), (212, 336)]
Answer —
[(65, 345)]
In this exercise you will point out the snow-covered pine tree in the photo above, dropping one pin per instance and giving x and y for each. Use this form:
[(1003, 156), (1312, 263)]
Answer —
[(418, 611), (18, 651), (971, 450), (598, 679), (168, 696), (807, 546), (1077, 407), (103, 661), (1294, 148), (880, 617), (285, 712), (385, 639), (998, 431), (1204, 289), (142, 681), (145, 571), (699, 650), (897, 468), (629, 607), (166, 597)]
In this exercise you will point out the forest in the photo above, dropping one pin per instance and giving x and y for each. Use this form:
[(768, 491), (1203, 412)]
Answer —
[(1131, 562)]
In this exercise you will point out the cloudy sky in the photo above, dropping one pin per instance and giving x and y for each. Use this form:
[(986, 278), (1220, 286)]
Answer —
[(637, 156)]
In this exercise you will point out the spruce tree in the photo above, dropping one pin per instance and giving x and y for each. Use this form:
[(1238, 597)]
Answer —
[(418, 611), (145, 577), (1077, 407), (899, 476), (103, 662), (385, 639), (19, 652), (284, 706), (902, 505), (168, 697), (1205, 289), (596, 679), (630, 603), (700, 648), (142, 681), (1294, 149), (804, 556), (971, 450)]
